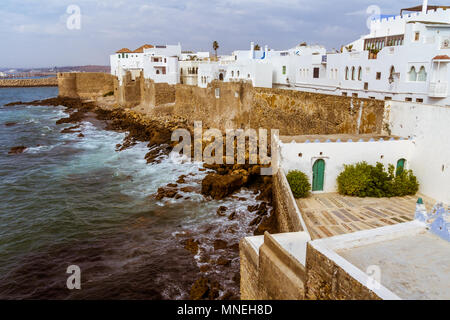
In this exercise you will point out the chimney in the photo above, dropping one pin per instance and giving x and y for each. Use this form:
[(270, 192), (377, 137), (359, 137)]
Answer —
[(252, 50), (425, 6)]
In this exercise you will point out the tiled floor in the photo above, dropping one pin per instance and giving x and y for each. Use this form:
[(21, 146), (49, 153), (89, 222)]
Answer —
[(331, 214)]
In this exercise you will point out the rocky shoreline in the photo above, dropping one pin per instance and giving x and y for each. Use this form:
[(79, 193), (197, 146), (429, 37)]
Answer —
[(221, 181)]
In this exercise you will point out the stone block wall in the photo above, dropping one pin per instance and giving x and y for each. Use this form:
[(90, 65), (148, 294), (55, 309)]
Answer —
[(85, 85), (327, 281), (43, 82), (287, 214)]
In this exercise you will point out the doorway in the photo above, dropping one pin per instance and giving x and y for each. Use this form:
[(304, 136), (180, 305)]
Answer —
[(318, 175)]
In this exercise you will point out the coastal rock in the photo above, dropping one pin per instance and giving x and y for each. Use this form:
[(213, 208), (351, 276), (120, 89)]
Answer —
[(10, 124), (17, 150), (255, 221), (165, 193), (205, 288), (222, 211), (219, 187), (187, 189), (182, 179), (232, 216), (71, 129), (220, 244), (268, 224), (191, 245), (223, 262)]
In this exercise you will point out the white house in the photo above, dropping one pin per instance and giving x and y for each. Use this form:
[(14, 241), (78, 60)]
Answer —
[(404, 58), (159, 63)]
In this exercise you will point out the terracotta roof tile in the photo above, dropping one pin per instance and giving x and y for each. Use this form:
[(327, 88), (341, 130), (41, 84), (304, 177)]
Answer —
[(141, 48), (124, 50), (443, 57)]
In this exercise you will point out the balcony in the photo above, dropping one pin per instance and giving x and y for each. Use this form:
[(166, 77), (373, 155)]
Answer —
[(438, 89)]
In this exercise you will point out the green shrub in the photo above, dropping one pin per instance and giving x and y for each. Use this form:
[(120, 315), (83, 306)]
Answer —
[(110, 93), (299, 183), (364, 180)]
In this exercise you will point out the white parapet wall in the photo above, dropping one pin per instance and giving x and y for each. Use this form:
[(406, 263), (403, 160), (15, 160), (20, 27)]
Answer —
[(429, 127), (336, 154)]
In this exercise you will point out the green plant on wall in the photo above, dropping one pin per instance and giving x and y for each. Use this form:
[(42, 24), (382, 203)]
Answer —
[(299, 183), (364, 180)]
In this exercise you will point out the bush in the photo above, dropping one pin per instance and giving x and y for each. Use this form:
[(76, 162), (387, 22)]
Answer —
[(299, 183), (364, 180)]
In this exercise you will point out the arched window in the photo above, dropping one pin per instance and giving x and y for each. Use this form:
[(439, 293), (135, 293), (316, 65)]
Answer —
[(391, 74), (359, 73), (232, 74), (422, 75), (412, 74), (346, 73), (221, 77), (353, 73), (238, 74)]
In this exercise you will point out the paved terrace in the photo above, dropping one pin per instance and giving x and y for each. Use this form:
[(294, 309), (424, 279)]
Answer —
[(330, 214)]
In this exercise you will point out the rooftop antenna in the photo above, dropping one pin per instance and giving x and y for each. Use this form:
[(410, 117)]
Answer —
[(425, 6)]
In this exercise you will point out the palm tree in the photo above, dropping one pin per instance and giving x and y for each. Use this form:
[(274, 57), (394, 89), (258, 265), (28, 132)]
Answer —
[(215, 46), (257, 47)]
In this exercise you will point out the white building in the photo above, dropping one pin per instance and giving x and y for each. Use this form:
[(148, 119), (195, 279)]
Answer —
[(404, 58), (159, 63)]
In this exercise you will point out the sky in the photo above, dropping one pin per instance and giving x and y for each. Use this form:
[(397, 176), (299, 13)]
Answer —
[(34, 33)]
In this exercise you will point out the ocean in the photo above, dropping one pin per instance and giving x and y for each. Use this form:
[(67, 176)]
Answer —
[(71, 200)]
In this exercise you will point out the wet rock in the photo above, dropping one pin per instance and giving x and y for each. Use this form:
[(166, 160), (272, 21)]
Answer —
[(237, 278), (222, 211), (166, 193), (234, 247), (200, 289), (17, 150), (10, 124), (178, 196), (229, 296), (255, 221), (71, 129), (187, 189), (219, 187), (191, 245), (81, 135), (268, 224), (205, 288), (253, 208), (220, 244), (202, 170), (182, 179), (232, 216), (205, 268), (172, 185), (223, 262), (262, 209)]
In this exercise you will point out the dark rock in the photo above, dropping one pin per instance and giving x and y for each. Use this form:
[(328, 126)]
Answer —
[(253, 208), (220, 244), (219, 187), (232, 216), (178, 196), (165, 193), (255, 221), (222, 211), (268, 224), (237, 278), (205, 268), (17, 150), (181, 179), (223, 262), (71, 129), (191, 245), (81, 135), (200, 289), (187, 189), (10, 124), (172, 185)]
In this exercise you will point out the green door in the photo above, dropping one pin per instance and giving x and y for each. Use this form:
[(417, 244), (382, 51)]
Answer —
[(400, 166), (318, 175)]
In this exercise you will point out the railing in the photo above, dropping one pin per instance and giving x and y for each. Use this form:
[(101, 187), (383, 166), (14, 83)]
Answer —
[(438, 89)]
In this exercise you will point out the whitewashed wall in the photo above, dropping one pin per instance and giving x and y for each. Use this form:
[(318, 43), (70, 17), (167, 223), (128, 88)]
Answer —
[(429, 126), (337, 154)]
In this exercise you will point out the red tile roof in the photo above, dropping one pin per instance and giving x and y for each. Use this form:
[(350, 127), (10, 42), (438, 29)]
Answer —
[(124, 50), (141, 48), (443, 57)]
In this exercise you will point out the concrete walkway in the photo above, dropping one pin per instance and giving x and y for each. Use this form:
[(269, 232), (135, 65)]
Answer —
[(330, 214)]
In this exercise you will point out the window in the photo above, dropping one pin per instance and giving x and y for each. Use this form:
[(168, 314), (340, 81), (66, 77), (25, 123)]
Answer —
[(408, 99), (391, 75), (284, 69), (388, 98), (412, 74), (417, 36), (344, 94), (354, 95), (316, 73), (238, 73), (359, 74), (366, 86), (353, 73), (422, 75), (232, 74), (420, 100), (346, 73), (378, 75)]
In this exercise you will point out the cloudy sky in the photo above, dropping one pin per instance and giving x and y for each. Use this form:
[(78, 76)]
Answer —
[(34, 33)]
